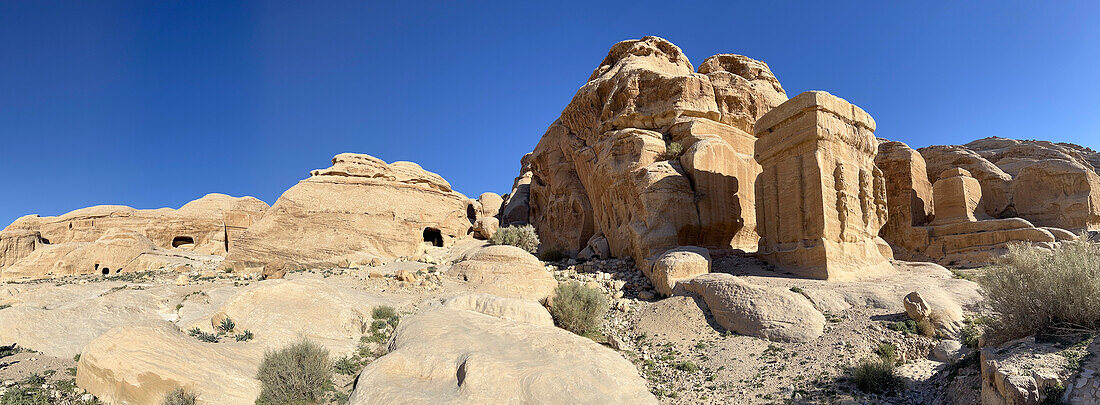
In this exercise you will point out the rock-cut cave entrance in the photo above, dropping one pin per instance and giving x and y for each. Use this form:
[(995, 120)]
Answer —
[(433, 236), (182, 240)]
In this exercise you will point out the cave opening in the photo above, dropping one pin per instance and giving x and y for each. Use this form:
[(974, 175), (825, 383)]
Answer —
[(182, 240), (433, 236)]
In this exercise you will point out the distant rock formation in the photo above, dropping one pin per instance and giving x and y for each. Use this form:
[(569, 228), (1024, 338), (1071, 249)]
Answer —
[(356, 211), (108, 239), (1049, 184), (650, 155)]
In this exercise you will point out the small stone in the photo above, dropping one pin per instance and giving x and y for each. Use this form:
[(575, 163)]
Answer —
[(646, 295), (406, 276)]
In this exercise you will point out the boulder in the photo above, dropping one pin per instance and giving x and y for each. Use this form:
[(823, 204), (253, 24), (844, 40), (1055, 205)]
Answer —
[(651, 155), (485, 227), (359, 206), (505, 271), (142, 364), (771, 313), (491, 204), (679, 264), (455, 356)]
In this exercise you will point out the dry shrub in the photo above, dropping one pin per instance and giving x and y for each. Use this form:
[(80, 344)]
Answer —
[(523, 237), (577, 308), (673, 151), (299, 373), (876, 376), (1035, 290), (180, 396)]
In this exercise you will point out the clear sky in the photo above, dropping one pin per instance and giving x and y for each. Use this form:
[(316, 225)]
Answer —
[(156, 103)]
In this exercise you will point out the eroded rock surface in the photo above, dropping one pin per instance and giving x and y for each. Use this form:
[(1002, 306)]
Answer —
[(766, 312), (359, 208), (506, 271), (448, 355)]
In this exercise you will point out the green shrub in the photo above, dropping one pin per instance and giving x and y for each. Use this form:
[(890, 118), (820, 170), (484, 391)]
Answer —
[(1035, 290), (876, 376), (523, 237), (887, 352), (227, 325), (383, 312), (208, 337), (244, 336), (686, 366), (180, 396), (673, 150), (346, 366), (299, 373), (577, 308)]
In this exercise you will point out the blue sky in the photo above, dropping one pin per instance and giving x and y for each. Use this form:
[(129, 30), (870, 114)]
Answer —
[(153, 104)]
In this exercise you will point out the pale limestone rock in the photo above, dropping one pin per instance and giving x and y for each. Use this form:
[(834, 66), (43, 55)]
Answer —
[(447, 355), (491, 204), (679, 264), (360, 205), (485, 227), (505, 271), (516, 206), (514, 309), (766, 312), (141, 364), (821, 200)]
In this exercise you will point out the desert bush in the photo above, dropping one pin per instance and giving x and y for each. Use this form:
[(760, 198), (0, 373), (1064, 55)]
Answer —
[(577, 308), (1035, 290), (244, 336), (383, 312), (299, 373), (876, 376), (523, 237), (673, 150), (180, 396), (887, 352)]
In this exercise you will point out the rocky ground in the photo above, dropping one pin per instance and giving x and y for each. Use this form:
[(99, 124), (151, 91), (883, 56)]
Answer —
[(675, 343)]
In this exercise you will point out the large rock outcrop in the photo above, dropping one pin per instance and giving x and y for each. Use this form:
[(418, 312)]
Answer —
[(457, 356), (1049, 184), (359, 208), (112, 239), (505, 271), (944, 222), (650, 155), (821, 199)]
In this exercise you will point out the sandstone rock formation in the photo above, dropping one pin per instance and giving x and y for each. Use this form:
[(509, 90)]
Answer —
[(360, 207), (505, 271), (679, 264), (448, 355), (944, 222), (109, 239), (650, 155), (1048, 184), (771, 313), (821, 199)]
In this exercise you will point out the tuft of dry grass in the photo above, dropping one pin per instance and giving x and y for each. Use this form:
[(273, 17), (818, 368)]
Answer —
[(577, 308), (1049, 291)]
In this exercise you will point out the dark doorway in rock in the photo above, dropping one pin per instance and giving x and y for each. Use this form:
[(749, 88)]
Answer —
[(471, 213), (106, 271), (433, 236), (182, 240)]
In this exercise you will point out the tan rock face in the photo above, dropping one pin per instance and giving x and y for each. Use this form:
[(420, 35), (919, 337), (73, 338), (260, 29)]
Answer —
[(1048, 184), (359, 206), (112, 237), (820, 198), (602, 168), (946, 225), (454, 356)]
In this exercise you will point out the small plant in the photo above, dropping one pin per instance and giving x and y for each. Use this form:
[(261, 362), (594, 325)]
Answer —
[(972, 332), (796, 290), (686, 366), (180, 396), (876, 376), (299, 373), (194, 331), (673, 150), (887, 352), (383, 312), (5, 306), (523, 237), (393, 321), (577, 308), (346, 366), (244, 336), (226, 325), (208, 337)]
